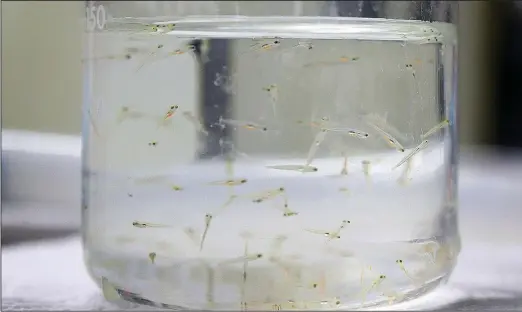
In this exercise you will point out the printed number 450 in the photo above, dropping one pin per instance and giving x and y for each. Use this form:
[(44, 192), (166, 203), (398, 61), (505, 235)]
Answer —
[(96, 17)]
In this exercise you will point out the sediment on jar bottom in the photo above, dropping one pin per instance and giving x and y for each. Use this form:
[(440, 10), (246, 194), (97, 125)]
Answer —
[(280, 285)]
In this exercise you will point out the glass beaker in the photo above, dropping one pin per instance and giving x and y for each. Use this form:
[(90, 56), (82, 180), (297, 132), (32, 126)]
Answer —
[(269, 155)]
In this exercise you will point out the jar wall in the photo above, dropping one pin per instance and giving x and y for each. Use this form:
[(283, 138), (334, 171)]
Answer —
[(239, 155)]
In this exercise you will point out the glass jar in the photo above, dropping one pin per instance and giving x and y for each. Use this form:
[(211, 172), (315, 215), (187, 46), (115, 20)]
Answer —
[(283, 155)]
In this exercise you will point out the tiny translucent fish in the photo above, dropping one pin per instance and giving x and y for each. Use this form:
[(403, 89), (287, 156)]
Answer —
[(388, 137), (266, 46), (208, 220), (351, 132), (403, 268), (300, 168), (153, 143), (319, 138), (186, 48), (110, 293), (266, 195), (382, 122), (286, 211), (143, 225), (152, 57), (273, 91), (249, 257), (341, 60), (195, 121), (242, 124), (115, 57), (158, 57), (229, 182), (155, 28), (316, 123), (375, 284), (436, 128), (152, 257), (417, 149), (331, 234), (345, 59), (172, 110), (177, 188)]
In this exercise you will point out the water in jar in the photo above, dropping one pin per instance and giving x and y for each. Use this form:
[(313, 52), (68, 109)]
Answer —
[(334, 188)]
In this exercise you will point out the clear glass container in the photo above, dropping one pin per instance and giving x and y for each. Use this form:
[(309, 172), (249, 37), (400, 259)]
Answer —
[(269, 155)]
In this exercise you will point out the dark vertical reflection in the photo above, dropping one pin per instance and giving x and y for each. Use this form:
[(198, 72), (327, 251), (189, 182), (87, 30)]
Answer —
[(349, 8), (214, 101), (368, 9), (508, 67), (424, 10), (357, 8)]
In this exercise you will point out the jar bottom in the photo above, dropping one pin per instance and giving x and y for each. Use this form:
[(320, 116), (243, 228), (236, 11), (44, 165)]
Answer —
[(142, 303)]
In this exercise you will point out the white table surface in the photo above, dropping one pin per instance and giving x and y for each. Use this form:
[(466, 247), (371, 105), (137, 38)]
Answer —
[(49, 275)]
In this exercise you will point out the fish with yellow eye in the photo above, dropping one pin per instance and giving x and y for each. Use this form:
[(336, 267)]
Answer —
[(170, 112), (266, 45)]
